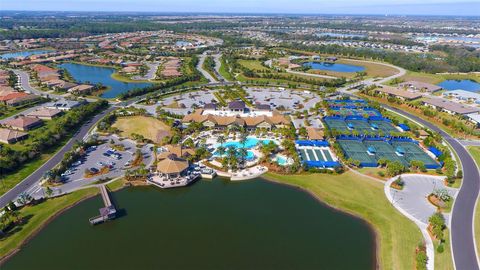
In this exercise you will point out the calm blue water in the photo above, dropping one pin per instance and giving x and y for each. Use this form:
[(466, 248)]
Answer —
[(467, 85), (23, 54), (93, 75), (250, 143), (334, 67), (250, 155), (281, 160)]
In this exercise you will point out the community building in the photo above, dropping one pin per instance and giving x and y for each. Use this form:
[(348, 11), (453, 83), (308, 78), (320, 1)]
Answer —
[(398, 93), (237, 114), (463, 95), (420, 86), (450, 106)]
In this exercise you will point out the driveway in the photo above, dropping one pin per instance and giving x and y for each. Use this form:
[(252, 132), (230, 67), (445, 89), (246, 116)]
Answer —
[(413, 197)]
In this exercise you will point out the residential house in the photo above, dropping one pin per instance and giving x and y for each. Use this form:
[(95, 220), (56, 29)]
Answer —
[(23, 123), (9, 136)]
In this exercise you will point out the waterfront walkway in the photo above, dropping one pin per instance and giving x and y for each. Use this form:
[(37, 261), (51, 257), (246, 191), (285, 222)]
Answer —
[(107, 212)]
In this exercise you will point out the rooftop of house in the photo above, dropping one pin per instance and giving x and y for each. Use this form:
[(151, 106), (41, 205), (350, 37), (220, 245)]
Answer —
[(22, 122)]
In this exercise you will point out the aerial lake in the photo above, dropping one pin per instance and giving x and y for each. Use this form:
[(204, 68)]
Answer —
[(467, 85), (23, 54), (334, 67), (103, 75), (210, 225)]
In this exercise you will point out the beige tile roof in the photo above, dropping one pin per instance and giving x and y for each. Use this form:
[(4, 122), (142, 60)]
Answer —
[(172, 164)]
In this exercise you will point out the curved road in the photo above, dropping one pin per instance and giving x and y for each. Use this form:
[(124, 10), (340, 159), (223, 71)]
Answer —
[(35, 177), (462, 236)]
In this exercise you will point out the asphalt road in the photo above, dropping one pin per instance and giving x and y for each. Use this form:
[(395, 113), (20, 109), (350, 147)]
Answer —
[(35, 177), (462, 235), (24, 80), (206, 74)]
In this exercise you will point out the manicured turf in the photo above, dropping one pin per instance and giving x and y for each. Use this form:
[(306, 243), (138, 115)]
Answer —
[(36, 216), (444, 261), (396, 235), (436, 78), (143, 125), (252, 64), (372, 69), (475, 152)]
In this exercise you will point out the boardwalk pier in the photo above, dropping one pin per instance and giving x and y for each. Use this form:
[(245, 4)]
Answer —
[(106, 213)]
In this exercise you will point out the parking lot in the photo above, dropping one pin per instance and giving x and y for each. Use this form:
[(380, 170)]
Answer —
[(198, 98), (95, 158), (289, 99)]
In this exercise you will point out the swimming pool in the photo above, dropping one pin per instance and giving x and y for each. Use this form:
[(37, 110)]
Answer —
[(250, 155), (281, 160), (249, 143)]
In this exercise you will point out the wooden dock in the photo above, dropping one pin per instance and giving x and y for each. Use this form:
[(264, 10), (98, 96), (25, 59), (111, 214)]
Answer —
[(108, 212)]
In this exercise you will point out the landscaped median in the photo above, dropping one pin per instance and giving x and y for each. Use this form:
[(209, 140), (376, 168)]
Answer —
[(397, 237)]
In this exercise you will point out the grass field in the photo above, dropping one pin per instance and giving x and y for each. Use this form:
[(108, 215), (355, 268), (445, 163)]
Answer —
[(475, 152), (397, 236), (372, 69), (224, 71), (37, 216), (252, 64), (436, 78), (148, 127), (444, 260)]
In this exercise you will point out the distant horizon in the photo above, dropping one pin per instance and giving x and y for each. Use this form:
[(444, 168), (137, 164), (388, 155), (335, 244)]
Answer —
[(277, 7), (239, 13)]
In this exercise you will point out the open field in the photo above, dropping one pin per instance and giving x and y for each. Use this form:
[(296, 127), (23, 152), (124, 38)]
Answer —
[(148, 127), (397, 236), (224, 71), (437, 78), (252, 64), (475, 152), (37, 216), (372, 69)]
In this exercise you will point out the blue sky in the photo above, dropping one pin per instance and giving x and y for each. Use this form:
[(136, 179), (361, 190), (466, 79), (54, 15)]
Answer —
[(408, 7)]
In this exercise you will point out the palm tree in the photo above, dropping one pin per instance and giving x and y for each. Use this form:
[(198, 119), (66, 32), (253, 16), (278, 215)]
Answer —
[(243, 155), (221, 150), (243, 138), (221, 139)]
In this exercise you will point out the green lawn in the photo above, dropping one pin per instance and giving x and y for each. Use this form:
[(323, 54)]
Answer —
[(475, 152), (224, 71), (437, 78), (38, 215), (397, 236), (444, 260), (252, 64)]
